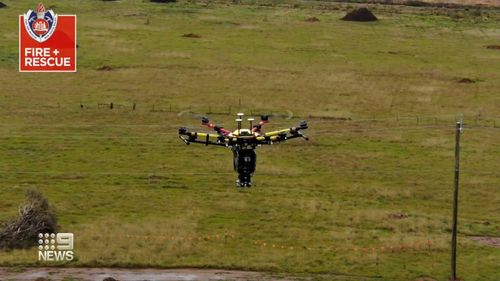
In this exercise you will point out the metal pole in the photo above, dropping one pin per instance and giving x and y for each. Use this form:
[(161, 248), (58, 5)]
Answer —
[(455, 203)]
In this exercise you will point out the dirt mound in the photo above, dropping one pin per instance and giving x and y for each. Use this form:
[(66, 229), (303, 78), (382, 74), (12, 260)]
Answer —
[(163, 1), (398, 216), (493, 47), (312, 19), (35, 217), (2, 5), (105, 68), (109, 279), (191, 35), (466, 81), (361, 14)]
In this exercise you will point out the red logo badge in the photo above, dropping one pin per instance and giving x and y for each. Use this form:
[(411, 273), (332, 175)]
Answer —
[(47, 41)]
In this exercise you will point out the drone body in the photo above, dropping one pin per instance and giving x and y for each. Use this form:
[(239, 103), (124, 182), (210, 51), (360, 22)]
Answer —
[(242, 142)]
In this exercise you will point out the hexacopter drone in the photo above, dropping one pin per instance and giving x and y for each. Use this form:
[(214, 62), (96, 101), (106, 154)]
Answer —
[(242, 142)]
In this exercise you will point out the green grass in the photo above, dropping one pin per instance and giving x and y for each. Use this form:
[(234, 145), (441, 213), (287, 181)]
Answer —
[(117, 176)]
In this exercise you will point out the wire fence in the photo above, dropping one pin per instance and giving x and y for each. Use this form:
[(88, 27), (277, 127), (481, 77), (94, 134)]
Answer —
[(176, 110)]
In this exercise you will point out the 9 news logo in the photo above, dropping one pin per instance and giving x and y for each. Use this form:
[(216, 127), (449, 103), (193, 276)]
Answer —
[(55, 247)]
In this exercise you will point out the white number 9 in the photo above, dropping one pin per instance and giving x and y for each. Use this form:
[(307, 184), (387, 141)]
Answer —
[(64, 241)]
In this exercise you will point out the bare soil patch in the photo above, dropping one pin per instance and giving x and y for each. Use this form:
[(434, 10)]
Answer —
[(487, 240), (127, 274), (105, 68), (163, 1), (191, 35), (312, 19), (398, 216), (466, 81), (493, 47)]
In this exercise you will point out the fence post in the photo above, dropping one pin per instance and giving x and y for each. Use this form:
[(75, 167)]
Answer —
[(458, 131)]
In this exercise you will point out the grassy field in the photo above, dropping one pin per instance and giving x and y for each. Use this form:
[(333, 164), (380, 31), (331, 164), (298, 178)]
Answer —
[(381, 98), (455, 3)]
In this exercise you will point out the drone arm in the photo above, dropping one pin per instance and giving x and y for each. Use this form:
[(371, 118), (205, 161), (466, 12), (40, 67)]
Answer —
[(293, 130), (284, 134), (208, 139), (220, 130), (276, 133), (279, 138)]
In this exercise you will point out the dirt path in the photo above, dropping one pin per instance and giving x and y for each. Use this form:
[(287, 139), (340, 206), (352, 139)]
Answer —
[(487, 240), (123, 274)]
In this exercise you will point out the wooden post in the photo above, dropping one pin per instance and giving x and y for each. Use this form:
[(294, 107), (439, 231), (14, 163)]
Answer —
[(455, 203)]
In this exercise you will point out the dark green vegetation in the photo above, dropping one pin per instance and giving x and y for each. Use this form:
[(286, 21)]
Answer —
[(117, 176)]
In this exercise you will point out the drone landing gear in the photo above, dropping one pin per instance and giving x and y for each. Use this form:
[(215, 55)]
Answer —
[(244, 180), (244, 163)]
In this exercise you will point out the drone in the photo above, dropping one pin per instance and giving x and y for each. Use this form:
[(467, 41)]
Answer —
[(242, 142)]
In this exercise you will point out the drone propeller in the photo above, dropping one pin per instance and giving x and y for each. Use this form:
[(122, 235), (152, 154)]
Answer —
[(264, 119), (183, 131), (302, 126)]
